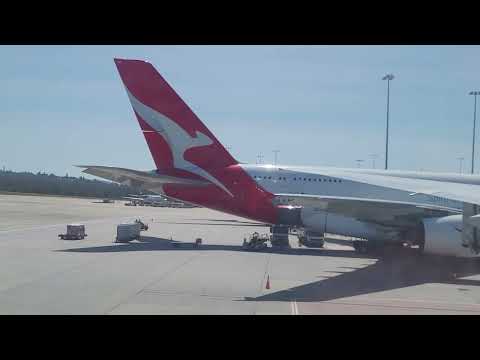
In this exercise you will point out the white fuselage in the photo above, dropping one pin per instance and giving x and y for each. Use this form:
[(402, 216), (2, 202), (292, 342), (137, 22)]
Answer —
[(307, 180)]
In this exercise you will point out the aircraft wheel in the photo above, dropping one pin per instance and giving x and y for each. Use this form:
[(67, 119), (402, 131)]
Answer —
[(360, 247)]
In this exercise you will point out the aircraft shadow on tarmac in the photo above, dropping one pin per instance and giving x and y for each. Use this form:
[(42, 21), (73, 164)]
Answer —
[(392, 270), (151, 243), (388, 273)]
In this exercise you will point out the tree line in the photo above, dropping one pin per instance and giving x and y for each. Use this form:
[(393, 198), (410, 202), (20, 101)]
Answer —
[(43, 183)]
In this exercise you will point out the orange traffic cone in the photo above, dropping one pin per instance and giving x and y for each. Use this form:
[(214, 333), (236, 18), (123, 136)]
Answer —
[(268, 282)]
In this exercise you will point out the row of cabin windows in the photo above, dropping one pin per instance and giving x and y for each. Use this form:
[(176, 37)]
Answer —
[(298, 179)]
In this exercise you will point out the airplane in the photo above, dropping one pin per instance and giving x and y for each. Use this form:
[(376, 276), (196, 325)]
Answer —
[(146, 199), (155, 200), (437, 212)]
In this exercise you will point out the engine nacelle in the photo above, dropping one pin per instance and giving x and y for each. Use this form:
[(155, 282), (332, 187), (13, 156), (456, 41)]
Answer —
[(443, 236), (322, 221), (318, 220), (436, 236)]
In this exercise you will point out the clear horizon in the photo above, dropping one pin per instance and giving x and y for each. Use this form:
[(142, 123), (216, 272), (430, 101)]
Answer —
[(318, 105)]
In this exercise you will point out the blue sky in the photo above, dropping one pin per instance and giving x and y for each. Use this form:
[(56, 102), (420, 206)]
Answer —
[(318, 105)]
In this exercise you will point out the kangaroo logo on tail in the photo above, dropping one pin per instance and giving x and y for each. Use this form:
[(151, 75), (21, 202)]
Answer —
[(177, 138)]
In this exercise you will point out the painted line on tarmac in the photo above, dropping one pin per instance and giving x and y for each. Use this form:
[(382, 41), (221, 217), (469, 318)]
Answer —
[(406, 306), (65, 224), (412, 302), (156, 280), (294, 307)]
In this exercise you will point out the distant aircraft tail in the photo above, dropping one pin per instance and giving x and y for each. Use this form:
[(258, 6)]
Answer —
[(176, 137)]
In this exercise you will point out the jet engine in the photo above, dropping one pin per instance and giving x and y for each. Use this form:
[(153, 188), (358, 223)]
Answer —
[(442, 236), (436, 236), (318, 220)]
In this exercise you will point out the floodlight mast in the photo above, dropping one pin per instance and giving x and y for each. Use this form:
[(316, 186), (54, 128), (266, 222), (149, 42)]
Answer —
[(387, 77), (474, 93)]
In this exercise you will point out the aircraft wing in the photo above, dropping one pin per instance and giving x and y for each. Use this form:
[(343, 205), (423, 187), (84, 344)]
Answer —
[(383, 212), (142, 179), (466, 193)]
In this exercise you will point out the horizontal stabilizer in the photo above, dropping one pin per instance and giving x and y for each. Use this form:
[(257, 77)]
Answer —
[(147, 180)]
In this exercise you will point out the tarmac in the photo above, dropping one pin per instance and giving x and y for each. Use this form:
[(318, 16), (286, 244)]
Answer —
[(164, 273)]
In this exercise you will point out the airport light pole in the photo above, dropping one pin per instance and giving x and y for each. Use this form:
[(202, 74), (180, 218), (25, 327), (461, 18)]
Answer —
[(260, 156), (275, 152), (373, 156), (358, 162), (474, 93), (387, 77), (461, 163)]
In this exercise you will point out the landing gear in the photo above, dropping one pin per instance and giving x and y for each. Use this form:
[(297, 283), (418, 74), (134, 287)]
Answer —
[(361, 247), (366, 247), (279, 236), (370, 246), (311, 239)]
